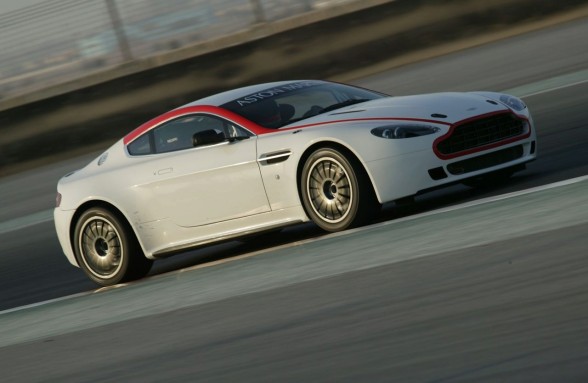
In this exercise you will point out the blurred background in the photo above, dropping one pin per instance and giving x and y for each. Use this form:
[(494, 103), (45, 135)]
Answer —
[(76, 75), (54, 41)]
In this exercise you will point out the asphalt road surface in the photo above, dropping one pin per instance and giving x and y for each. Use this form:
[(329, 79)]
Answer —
[(508, 302)]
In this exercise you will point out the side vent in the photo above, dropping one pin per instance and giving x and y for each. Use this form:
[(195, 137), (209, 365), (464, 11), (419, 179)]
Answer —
[(274, 157)]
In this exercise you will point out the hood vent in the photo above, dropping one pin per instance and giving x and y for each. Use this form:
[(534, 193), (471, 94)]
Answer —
[(348, 111)]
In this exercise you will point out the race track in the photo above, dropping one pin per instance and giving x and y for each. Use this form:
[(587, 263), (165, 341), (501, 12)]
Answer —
[(492, 291)]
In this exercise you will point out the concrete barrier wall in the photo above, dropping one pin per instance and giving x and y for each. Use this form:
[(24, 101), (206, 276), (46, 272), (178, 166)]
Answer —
[(102, 112)]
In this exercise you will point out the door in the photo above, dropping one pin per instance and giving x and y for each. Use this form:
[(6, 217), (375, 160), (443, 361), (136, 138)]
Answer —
[(216, 180)]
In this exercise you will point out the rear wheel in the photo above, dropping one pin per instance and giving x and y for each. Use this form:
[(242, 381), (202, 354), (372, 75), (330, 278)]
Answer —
[(107, 250), (336, 192)]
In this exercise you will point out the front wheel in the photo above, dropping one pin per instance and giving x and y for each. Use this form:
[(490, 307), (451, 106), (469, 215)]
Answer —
[(336, 191), (107, 250)]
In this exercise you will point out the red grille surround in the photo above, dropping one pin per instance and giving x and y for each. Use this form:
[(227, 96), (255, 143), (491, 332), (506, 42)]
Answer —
[(481, 133)]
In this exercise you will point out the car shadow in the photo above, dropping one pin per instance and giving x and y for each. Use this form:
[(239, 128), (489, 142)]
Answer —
[(438, 199)]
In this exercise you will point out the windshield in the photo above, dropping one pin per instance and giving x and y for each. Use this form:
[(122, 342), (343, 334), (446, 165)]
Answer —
[(283, 105)]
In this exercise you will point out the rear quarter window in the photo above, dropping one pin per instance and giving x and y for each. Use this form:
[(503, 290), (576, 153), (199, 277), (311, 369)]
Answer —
[(141, 145)]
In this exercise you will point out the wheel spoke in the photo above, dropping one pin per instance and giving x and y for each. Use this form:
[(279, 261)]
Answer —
[(98, 227), (325, 170), (110, 237), (316, 177), (332, 170), (100, 247), (333, 211), (92, 228), (340, 207), (344, 195)]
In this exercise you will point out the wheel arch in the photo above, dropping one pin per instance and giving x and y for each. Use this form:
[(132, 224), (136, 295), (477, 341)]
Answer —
[(107, 206)]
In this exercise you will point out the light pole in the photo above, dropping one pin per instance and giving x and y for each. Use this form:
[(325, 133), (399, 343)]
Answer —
[(121, 37)]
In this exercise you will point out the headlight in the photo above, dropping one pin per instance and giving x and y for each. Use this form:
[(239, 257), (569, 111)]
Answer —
[(403, 131), (513, 102)]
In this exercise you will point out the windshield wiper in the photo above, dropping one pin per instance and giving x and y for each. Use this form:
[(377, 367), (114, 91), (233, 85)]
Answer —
[(327, 109), (343, 104)]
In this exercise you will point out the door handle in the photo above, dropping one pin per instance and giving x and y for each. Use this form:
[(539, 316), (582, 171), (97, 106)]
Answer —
[(165, 171)]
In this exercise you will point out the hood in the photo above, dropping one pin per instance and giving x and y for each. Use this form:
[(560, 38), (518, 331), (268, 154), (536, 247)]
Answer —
[(442, 107)]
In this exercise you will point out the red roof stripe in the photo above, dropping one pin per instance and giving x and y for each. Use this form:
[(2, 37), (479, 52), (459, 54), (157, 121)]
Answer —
[(205, 109)]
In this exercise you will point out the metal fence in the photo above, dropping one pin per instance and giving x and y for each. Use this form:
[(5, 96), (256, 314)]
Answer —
[(60, 40)]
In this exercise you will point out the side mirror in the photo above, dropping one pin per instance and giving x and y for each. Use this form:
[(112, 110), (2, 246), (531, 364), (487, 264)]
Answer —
[(237, 138), (207, 137), (234, 134)]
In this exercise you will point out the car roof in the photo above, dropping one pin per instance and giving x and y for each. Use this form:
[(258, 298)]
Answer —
[(228, 96)]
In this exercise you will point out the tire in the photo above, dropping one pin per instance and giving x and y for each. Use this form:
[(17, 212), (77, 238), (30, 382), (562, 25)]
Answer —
[(336, 191), (106, 248)]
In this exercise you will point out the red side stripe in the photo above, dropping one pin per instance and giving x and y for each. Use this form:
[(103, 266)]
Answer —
[(368, 119)]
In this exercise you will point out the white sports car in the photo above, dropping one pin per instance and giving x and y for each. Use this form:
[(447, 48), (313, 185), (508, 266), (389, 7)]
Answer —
[(262, 157)]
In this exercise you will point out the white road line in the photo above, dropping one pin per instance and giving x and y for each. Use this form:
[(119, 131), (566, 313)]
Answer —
[(43, 303), (550, 84), (554, 89), (65, 298), (26, 221)]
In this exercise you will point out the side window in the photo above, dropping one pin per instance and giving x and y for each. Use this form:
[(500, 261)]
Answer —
[(185, 133), (175, 135), (179, 134)]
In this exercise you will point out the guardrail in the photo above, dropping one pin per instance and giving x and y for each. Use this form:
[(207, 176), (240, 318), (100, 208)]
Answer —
[(60, 40)]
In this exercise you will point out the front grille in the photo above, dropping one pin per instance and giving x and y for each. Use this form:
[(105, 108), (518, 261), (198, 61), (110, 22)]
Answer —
[(486, 160), (482, 132)]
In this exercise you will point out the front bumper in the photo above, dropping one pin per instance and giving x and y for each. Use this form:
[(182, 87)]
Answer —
[(406, 175)]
